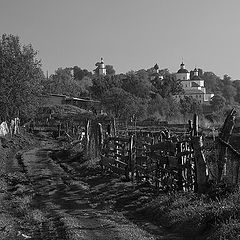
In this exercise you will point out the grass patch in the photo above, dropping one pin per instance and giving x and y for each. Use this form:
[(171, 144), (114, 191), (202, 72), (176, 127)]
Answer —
[(193, 215)]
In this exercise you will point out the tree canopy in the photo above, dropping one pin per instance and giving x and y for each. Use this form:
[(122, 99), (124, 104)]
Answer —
[(20, 78), (125, 95)]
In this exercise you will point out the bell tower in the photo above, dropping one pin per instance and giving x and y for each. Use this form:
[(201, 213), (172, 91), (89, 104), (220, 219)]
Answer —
[(102, 68)]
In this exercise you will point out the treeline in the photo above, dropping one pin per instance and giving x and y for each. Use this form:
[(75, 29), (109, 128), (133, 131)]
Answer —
[(136, 94), (145, 94)]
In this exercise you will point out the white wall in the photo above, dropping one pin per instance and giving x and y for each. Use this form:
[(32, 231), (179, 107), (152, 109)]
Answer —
[(183, 76)]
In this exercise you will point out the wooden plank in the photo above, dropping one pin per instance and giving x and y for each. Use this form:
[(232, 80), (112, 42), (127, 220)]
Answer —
[(184, 153), (115, 150), (120, 162)]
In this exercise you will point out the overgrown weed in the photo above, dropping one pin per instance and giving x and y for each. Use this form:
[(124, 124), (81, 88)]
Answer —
[(195, 215)]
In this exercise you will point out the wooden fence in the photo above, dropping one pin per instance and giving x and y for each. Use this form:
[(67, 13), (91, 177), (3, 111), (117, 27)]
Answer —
[(166, 160), (170, 162), (157, 157)]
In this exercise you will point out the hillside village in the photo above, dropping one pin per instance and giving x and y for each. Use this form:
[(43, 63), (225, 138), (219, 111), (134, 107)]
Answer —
[(119, 120), (149, 151), (141, 94), (153, 93)]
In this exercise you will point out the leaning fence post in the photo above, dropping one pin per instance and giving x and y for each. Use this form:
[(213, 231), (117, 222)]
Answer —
[(225, 135)]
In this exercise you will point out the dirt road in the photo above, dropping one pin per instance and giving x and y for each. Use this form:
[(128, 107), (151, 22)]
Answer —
[(60, 207)]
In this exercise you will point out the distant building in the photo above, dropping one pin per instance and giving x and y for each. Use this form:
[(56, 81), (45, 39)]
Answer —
[(101, 69), (155, 72), (193, 86)]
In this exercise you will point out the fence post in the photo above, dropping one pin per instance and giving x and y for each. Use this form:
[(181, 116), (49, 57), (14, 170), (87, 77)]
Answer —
[(100, 135), (200, 164), (225, 135), (195, 125), (131, 164), (190, 127), (87, 128), (180, 177)]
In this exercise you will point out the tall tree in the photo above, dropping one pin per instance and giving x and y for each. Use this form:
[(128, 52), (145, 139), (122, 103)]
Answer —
[(20, 78), (190, 105), (218, 102), (110, 70), (168, 86), (228, 91), (213, 83), (236, 84), (137, 83), (120, 103), (79, 74), (101, 84), (62, 82)]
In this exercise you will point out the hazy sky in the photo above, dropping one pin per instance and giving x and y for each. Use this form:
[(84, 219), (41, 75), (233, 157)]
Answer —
[(129, 34)]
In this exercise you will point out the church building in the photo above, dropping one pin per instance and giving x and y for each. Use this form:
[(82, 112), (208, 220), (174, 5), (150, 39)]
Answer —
[(192, 86), (101, 69)]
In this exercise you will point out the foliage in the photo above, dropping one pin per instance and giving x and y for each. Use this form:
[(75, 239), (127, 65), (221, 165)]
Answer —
[(218, 102), (168, 86), (228, 91), (135, 93), (120, 104), (190, 105), (157, 104), (213, 83), (62, 82), (101, 84), (193, 216), (20, 78), (174, 110), (79, 74), (137, 84), (110, 70), (85, 85)]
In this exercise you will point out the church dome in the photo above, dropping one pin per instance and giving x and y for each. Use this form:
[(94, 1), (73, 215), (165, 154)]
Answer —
[(195, 76), (182, 70)]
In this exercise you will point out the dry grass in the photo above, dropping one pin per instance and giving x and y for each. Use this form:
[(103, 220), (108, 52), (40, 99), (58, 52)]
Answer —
[(194, 216)]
